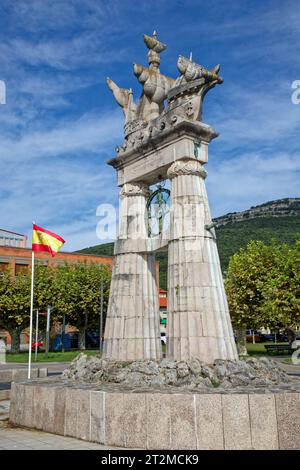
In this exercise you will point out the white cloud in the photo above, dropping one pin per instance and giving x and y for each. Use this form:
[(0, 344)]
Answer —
[(238, 183), (90, 133), (59, 176), (75, 53), (266, 116), (42, 16)]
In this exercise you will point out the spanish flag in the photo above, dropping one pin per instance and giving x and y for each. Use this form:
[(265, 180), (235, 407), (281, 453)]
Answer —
[(44, 240)]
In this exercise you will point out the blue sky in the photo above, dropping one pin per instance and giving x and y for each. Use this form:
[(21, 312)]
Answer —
[(60, 122)]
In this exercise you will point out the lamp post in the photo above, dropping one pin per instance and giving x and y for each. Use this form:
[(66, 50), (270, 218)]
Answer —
[(48, 331), (101, 316)]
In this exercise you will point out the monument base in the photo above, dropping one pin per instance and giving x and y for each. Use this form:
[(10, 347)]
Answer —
[(173, 418)]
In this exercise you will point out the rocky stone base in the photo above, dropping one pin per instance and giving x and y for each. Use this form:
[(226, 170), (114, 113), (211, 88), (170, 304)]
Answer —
[(191, 374), (171, 418)]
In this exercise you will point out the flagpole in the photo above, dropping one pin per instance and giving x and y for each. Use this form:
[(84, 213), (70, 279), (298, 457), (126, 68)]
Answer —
[(31, 314), (45, 244)]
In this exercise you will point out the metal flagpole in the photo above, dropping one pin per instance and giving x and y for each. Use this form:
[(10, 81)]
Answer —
[(36, 333), (31, 314)]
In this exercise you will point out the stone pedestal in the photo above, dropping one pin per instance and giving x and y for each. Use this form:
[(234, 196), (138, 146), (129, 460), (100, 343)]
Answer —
[(151, 419), (198, 319), (132, 323)]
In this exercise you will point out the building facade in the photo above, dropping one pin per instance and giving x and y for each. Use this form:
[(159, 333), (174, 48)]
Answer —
[(13, 239), (18, 259)]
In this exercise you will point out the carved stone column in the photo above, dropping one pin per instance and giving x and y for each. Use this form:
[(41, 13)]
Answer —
[(199, 324), (132, 325)]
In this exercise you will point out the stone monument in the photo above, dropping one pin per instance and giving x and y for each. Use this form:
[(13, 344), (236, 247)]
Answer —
[(200, 396), (166, 142)]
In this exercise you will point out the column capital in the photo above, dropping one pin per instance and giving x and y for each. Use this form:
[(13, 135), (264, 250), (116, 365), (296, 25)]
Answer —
[(135, 189), (187, 166)]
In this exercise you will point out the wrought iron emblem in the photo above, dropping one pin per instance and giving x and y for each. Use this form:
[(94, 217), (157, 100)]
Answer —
[(158, 210), (197, 149)]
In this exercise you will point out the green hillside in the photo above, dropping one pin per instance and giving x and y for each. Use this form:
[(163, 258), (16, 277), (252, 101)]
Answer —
[(230, 238), (233, 236)]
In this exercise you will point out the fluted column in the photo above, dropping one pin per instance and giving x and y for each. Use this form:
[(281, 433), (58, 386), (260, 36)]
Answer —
[(132, 324), (199, 324)]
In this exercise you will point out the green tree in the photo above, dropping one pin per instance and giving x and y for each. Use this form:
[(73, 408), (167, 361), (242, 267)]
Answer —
[(262, 286), (281, 291), (15, 305), (76, 294), (44, 282), (72, 290)]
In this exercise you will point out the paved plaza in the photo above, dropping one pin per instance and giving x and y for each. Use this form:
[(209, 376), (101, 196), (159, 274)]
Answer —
[(12, 438), (24, 439), (53, 367)]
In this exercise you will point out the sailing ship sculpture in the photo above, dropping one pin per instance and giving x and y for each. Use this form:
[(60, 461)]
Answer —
[(166, 142)]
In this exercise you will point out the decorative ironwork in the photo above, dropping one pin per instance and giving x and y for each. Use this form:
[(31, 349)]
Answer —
[(157, 209), (197, 149)]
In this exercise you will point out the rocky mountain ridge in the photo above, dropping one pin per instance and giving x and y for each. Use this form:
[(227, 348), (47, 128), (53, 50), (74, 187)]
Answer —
[(278, 208)]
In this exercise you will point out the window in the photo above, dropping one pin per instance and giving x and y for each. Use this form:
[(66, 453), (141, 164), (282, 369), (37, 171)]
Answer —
[(21, 268), (3, 267)]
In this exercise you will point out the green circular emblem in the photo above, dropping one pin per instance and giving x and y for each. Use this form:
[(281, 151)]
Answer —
[(158, 210)]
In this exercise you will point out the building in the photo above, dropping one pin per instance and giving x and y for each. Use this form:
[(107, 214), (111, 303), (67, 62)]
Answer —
[(18, 259), (14, 239)]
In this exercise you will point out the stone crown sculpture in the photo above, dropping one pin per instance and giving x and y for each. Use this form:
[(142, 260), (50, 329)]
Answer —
[(184, 95)]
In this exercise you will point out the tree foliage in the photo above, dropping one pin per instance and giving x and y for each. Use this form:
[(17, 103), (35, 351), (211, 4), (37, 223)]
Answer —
[(72, 290), (14, 304), (263, 285), (77, 294)]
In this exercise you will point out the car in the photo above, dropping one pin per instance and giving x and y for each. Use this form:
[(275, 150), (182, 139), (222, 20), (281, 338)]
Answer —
[(278, 337), (92, 339), (39, 345), (257, 336), (269, 337)]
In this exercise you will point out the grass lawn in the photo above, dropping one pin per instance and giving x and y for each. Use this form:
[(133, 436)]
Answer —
[(258, 349), (52, 356)]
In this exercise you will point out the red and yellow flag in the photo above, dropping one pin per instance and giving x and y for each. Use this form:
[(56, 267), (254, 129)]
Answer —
[(44, 240)]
